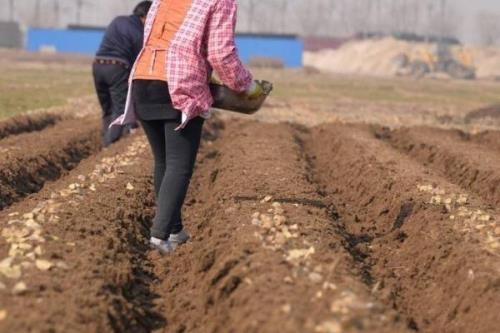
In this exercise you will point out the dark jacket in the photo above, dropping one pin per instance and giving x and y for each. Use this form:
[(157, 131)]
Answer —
[(123, 39)]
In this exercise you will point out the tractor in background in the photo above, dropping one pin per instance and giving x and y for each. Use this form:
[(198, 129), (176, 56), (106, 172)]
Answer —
[(442, 58)]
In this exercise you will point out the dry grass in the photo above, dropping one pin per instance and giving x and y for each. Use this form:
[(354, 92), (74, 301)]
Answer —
[(326, 88), (30, 82), (26, 86)]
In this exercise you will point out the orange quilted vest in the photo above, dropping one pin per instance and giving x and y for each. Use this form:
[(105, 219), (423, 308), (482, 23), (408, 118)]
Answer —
[(168, 19)]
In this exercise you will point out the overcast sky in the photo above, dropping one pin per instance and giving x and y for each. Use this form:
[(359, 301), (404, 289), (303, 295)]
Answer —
[(469, 10), (100, 12)]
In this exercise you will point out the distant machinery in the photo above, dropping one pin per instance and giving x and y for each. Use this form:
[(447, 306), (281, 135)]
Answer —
[(451, 59)]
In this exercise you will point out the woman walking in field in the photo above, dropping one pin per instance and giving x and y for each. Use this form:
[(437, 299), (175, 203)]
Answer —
[(184, 40)]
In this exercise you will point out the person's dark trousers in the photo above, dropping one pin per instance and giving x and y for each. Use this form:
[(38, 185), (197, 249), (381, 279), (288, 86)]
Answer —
[(174, 156), (111, 84)]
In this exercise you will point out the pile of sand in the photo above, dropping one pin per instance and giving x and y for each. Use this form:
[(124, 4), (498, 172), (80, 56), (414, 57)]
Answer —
[(486, 61), (376, 57)]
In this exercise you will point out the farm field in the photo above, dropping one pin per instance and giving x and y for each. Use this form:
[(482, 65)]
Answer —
[(348, 204), (31, 83)]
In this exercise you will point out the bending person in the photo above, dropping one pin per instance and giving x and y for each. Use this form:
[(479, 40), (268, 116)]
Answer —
[(119, 49)]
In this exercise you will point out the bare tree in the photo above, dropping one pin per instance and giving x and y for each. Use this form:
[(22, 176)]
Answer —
[(11, 10), (312, 17), (446, 21), (488, 25), (251, 14), (57, 12), (79, 10), (79, 7), (38, 13), (344, 13), (283, 7)]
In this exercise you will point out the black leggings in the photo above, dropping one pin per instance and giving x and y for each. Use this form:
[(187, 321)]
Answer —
[(174, 155)]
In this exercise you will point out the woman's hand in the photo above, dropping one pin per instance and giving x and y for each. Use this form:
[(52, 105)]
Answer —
[(255, 90)]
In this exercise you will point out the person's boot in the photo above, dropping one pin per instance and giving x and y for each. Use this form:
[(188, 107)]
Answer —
[(179, 238), (164, 246)]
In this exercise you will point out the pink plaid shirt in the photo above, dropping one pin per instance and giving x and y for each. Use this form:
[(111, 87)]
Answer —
[(203, 42)]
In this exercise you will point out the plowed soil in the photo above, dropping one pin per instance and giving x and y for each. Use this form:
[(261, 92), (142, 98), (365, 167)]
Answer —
[(471, 165), (423, 239), (31, 159), (27, 123), (334, 228)]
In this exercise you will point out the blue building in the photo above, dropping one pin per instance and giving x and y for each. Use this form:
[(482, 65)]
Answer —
[(286, 48)]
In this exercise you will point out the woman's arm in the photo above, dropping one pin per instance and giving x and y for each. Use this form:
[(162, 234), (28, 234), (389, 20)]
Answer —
[(222, 52)]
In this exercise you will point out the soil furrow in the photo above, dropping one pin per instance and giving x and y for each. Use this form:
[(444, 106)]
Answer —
[(293, 230), (30, 160), (431, 248), (465, 164), (489, 139), (28, 123), (76, 253), (266, 255), (84, 267)]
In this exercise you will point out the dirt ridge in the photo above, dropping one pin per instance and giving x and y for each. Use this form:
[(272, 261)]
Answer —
[(30, 160), (463, 163), (432, 262), (323, 230), (94, 225), (27, 123), (239, 261)]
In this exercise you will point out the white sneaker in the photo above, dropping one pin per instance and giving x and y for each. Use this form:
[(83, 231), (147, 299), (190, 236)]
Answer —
[(161, 245), (178, 239)]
